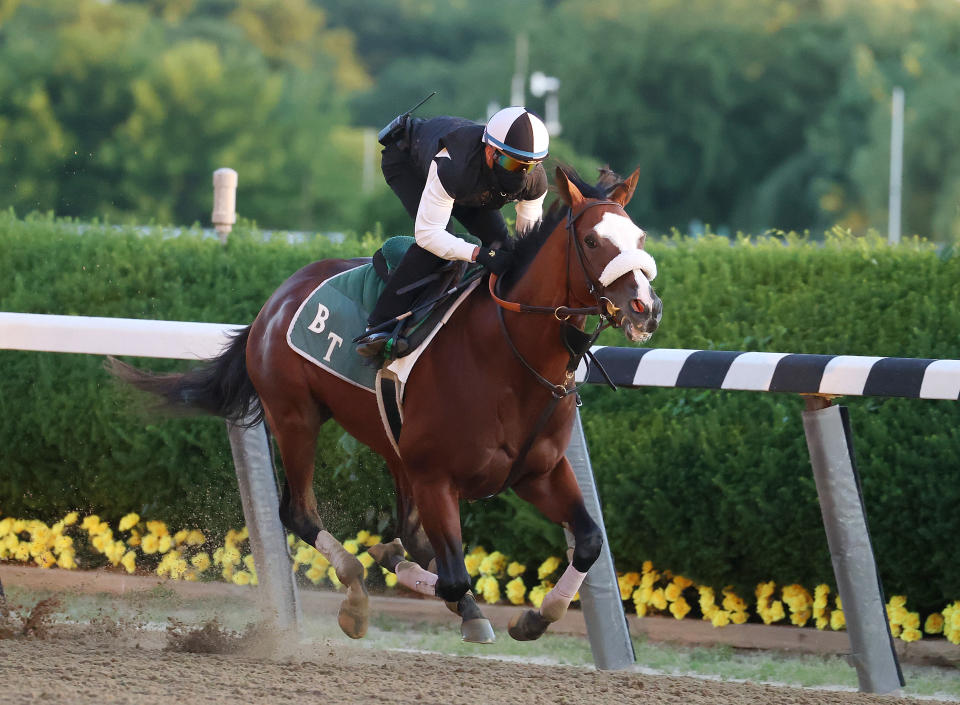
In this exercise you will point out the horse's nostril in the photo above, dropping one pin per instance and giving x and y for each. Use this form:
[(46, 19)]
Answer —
[(637, 306)]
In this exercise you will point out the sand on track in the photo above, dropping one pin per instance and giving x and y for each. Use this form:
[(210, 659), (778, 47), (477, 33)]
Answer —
[(116, 663)]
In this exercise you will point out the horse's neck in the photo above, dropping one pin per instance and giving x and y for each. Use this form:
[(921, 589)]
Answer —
[(545, 283)]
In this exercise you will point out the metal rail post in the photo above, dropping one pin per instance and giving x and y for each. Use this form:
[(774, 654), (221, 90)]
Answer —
[(600, 600), (834, 469), (277, 592)]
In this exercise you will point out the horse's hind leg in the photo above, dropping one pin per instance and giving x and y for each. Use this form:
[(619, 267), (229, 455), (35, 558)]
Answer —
[(296, 429), (558, 497)]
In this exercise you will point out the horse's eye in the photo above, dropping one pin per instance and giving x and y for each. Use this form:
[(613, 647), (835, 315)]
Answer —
[(590, 241)]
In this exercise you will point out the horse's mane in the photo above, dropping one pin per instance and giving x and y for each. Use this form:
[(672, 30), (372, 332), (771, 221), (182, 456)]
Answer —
[(526, 248)]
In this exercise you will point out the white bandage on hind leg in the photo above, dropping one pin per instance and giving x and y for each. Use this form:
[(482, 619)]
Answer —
[(416, 578), (345, 563), (555, 604)]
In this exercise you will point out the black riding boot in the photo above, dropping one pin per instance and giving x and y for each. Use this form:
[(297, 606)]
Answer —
[(397, 299)]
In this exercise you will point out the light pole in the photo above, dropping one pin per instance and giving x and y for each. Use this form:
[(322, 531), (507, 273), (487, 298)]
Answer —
[(549, 86)]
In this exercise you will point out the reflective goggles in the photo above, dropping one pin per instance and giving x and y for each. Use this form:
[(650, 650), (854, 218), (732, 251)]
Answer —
[(511, 164)]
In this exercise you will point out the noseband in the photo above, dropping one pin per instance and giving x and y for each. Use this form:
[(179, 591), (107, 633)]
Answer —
[(604, 307)]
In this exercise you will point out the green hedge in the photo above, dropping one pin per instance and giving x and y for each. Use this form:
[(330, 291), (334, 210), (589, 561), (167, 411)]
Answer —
[(714, 485)]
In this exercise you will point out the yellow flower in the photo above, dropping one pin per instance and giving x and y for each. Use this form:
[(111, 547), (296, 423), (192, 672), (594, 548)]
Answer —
[(165, 543), (351, 546), (157, 528), (195, 537), (90, 521), (201, 561), (934, 624), (6, 526), (679, 608), (516, 591), (134, 539), (244, 534), (372, 540), (319, 561), (248, 562), (732, 602), (682, 582), (241, 577), (305, 554), (389, 578), (837, 620), (366, 559), (472, 564), (45, 560), (672, 592), (493, 564), (738, 617), (362, 537), (315, 575), (149, 544), (128, 522), (910, 634), (765, 590), (537, 593), (658, 600), (516, 569), (66, 560), (62, 543), (548, 567), (70, 519), (490, 590), (180, 537), (129, 561), (720, 618), (332, 576)]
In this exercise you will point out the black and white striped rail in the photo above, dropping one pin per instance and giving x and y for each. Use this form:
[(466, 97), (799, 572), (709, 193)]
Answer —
[(840, 375)]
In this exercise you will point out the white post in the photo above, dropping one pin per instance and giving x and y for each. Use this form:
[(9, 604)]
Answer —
[(600, 600), (896, 166), (830, 443), (517, 96), (224, 202)]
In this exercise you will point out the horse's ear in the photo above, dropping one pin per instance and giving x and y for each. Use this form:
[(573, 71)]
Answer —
[(568, 190), (623, 192)]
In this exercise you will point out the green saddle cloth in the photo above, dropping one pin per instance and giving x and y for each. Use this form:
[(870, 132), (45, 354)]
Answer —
[(336, 312)]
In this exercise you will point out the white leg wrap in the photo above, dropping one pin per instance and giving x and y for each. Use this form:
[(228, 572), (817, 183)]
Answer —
[(555, 604), (416, 578), (344, 562)]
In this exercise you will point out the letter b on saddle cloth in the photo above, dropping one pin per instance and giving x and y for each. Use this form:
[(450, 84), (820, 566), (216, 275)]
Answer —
[(334, 316)]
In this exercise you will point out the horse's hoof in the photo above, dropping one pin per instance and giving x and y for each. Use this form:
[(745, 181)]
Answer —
[(528, 626), (388, 555), (353, 619), (477, 631)]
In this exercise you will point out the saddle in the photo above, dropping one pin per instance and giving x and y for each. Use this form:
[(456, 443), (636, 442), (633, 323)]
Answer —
[(435, 292)]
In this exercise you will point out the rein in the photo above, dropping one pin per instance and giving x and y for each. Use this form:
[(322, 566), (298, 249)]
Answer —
[(575, 340)]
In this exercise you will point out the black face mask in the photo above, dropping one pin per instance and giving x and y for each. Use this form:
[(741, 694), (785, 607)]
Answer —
[(509, 182)]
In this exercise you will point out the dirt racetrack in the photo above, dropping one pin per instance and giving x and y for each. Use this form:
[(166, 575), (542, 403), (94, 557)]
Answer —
[(104, 665), (117, 660)]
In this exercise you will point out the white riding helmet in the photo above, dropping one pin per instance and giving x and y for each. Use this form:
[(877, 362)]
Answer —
[(518, 133)]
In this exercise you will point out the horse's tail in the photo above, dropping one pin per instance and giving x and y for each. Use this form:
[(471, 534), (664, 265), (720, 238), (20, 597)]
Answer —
[(221, 386)]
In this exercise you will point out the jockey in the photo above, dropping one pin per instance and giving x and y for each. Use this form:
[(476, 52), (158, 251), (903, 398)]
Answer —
[(447, 167)]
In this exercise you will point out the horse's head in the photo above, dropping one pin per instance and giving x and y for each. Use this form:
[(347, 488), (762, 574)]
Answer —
[(616, 268)]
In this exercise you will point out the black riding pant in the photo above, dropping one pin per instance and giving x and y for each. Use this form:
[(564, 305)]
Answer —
[(404, 178)]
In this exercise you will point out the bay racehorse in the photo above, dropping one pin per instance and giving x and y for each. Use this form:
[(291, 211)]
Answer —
[(489, 405)]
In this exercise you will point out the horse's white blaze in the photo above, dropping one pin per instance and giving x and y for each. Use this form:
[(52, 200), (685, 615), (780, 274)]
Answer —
[(623, 233)]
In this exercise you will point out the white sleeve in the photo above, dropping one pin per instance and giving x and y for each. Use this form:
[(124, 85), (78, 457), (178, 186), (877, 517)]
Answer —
[(528, 213), (433, 214)]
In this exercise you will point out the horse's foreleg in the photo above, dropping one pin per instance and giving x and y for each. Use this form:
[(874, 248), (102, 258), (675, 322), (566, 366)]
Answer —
[(440, 517), (558, 497), (296, 434)]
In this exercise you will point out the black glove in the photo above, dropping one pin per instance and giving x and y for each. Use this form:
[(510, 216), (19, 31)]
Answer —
[(497, 261)]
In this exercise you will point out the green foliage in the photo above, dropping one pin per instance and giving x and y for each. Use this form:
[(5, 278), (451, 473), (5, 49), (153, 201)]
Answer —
[(713, 485)]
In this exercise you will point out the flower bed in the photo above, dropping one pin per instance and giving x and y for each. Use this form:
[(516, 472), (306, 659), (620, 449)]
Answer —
[(189, 554)]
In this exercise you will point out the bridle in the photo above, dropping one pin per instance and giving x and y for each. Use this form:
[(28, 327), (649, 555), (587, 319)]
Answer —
[(575, 340), (604, 307)]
